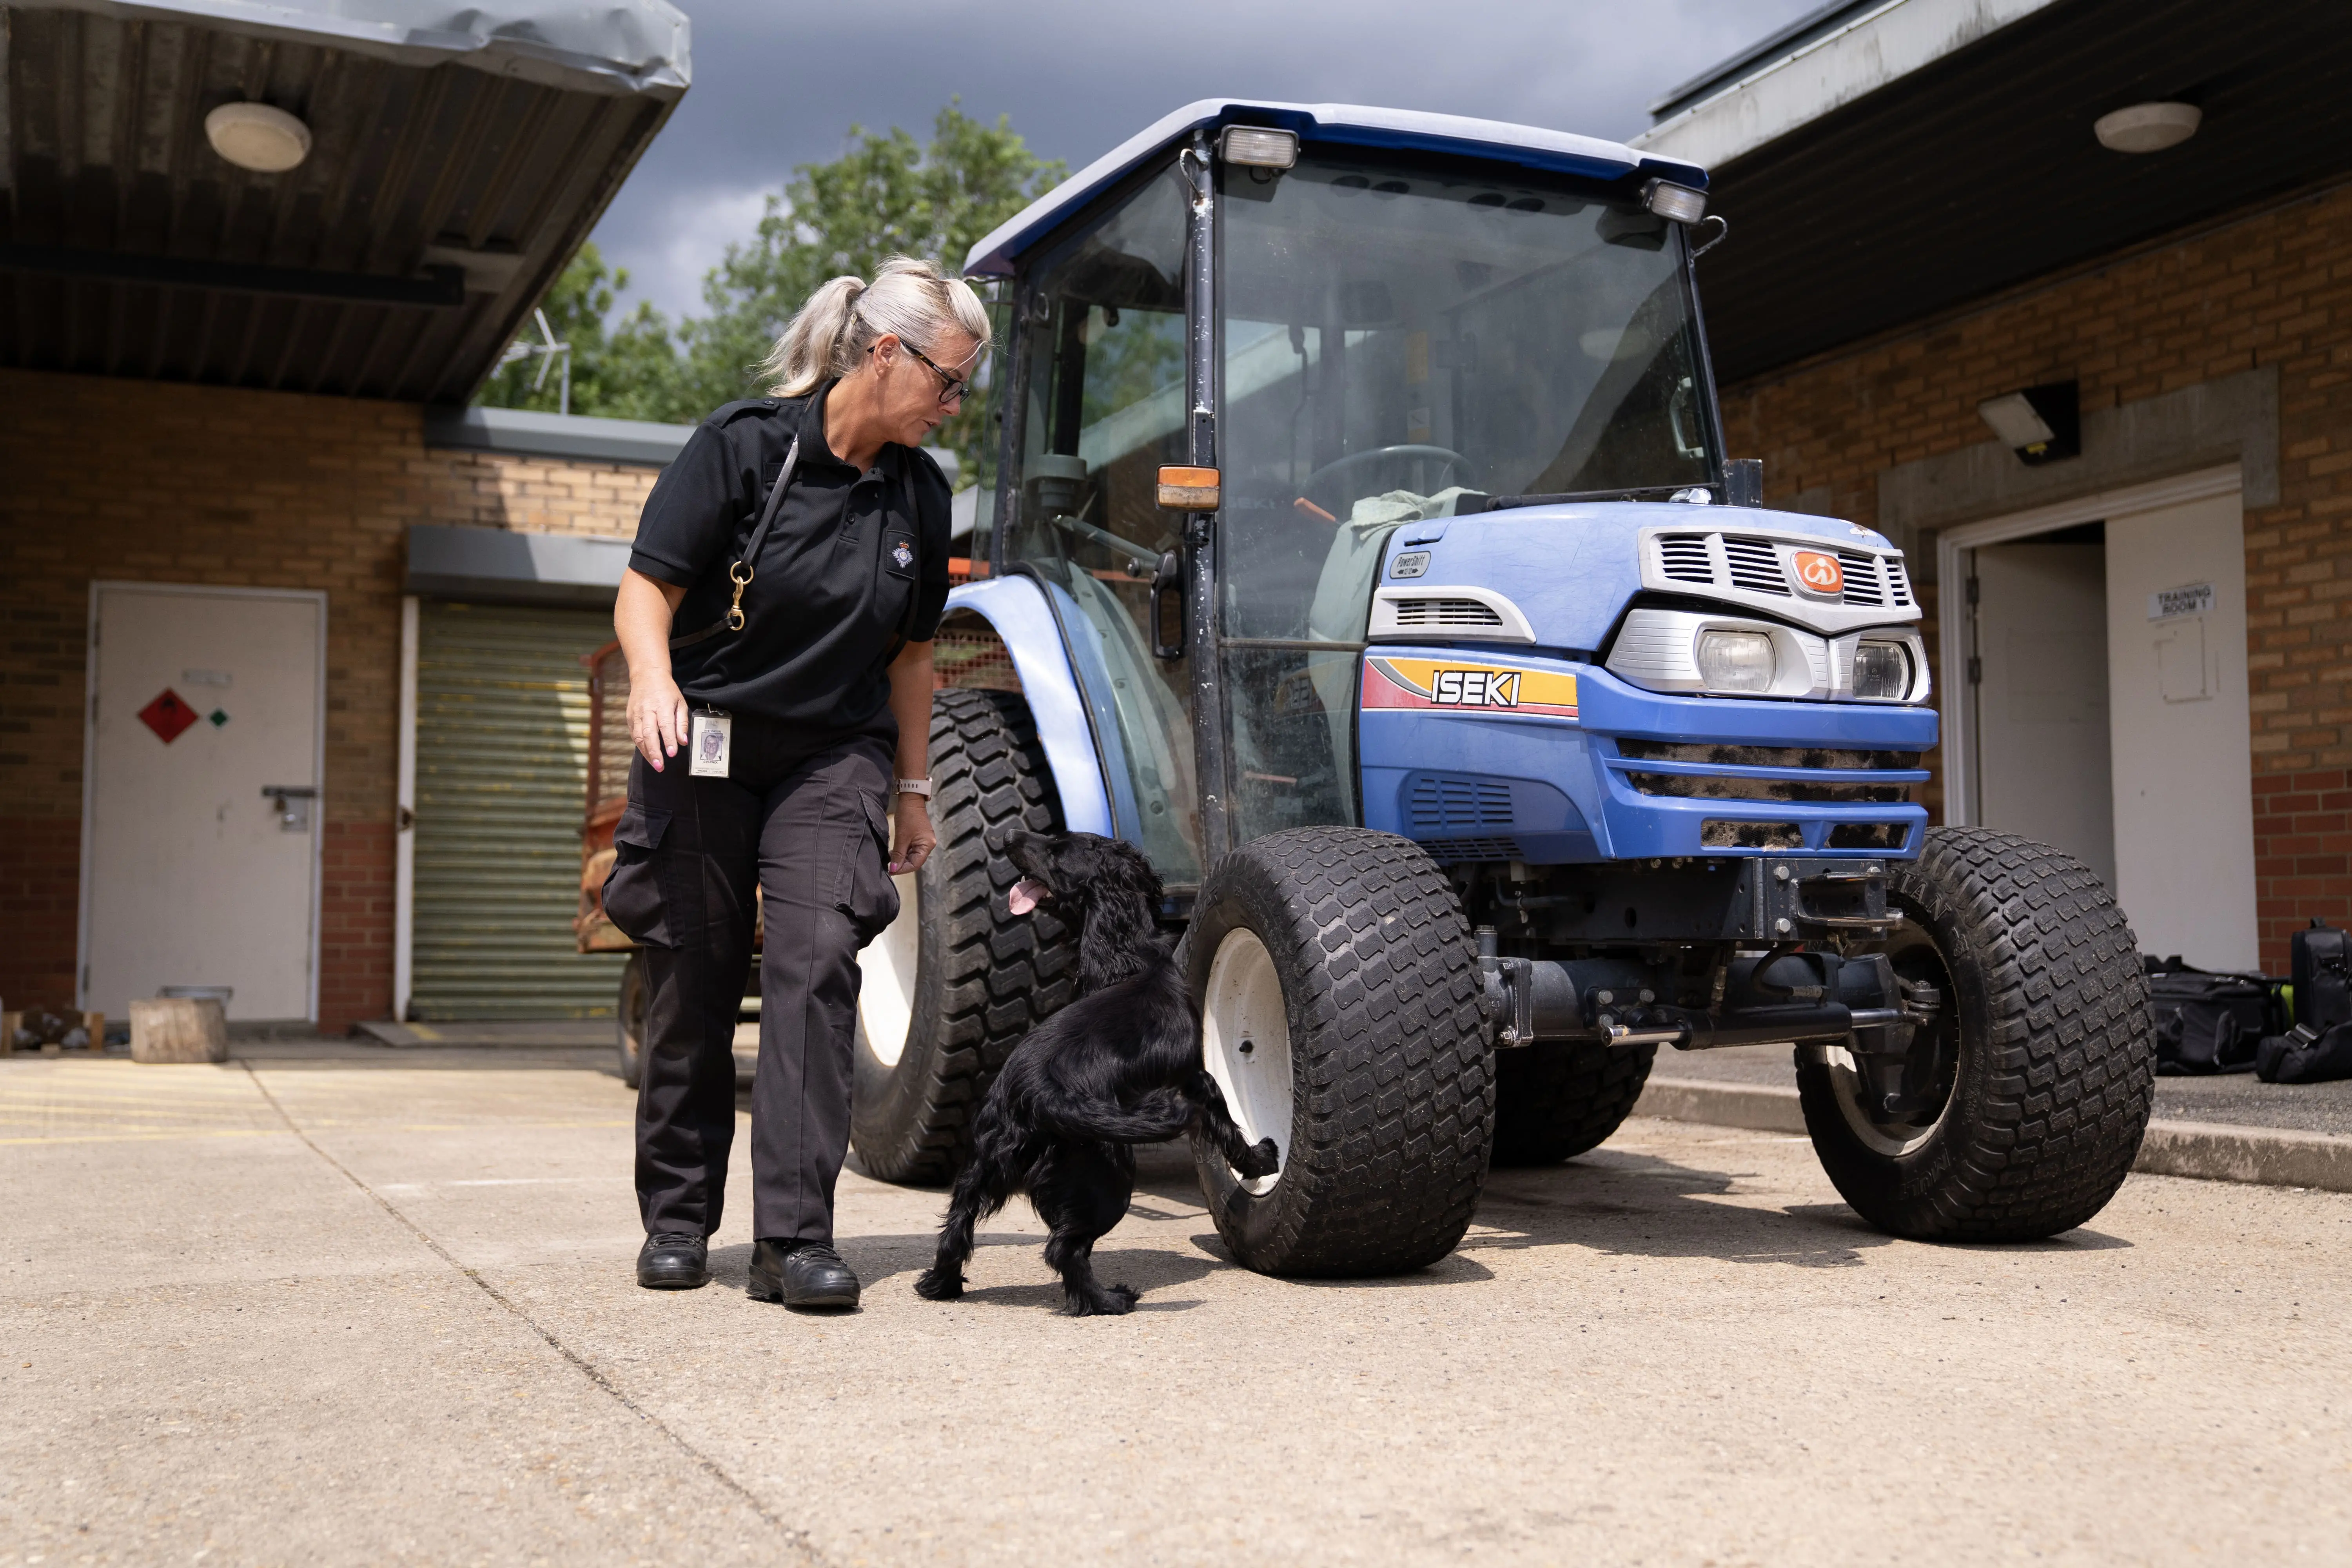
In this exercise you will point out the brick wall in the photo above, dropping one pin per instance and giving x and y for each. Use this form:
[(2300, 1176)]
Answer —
[(140, 480), (2272, 288)]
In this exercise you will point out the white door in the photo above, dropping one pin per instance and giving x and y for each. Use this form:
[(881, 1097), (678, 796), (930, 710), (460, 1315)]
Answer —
[(2178, 710), (194, 873), (2042, 698)]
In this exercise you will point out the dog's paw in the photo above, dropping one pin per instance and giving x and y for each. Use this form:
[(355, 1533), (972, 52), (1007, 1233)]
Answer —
[(1262, 1159), (1116, 1301), (934, 1286)]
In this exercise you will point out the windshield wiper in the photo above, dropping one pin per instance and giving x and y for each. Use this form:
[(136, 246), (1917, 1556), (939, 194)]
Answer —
[(1570, 497)]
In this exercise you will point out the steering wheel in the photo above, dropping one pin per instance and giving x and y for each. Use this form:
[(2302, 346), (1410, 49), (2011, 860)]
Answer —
[(1452, 459)]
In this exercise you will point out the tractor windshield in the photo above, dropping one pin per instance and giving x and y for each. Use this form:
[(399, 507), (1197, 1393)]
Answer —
[(1399, 340)]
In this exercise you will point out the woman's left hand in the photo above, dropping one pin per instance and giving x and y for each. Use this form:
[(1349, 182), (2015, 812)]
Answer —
[(914, 840)]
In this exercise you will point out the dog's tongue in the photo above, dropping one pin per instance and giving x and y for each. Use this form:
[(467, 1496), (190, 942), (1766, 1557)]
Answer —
[(1024, 896)]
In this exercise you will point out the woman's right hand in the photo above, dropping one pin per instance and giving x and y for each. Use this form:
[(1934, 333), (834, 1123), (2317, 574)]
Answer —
[(657, 714), (657, 719)]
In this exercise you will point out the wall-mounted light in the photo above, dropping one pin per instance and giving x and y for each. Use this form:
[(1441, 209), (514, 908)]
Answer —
[(2041, 423), (256, 137), (2147, 127)]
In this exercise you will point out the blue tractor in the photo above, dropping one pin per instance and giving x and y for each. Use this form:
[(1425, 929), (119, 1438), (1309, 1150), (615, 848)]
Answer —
[(1365, 542)]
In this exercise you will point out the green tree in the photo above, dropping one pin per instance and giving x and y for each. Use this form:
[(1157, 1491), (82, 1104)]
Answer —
[(628, 369), (887, 195)]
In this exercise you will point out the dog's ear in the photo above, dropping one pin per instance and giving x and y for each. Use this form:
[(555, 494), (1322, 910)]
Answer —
[(1122, 897)]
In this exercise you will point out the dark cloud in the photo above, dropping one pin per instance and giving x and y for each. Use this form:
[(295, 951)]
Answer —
[(777, 85)]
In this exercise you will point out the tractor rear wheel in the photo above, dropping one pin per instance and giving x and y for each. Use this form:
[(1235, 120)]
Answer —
[(2021, 1107), (1555, 1101), (1340, 1014), (952, 985)]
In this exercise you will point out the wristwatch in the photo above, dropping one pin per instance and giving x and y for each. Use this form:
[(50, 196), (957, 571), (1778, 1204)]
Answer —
[(915, 786)]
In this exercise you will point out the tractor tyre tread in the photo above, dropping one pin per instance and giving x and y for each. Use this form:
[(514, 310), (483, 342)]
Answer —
[(1553, 1102), (1001, 974), (1389, 1051), (2054, 1112)]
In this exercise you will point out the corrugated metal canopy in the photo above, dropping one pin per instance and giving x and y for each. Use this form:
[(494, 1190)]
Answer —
[(458, 158), (1980, 170)]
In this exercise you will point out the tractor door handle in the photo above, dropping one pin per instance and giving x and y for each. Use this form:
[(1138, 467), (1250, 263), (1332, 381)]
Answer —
[(1168, 628)]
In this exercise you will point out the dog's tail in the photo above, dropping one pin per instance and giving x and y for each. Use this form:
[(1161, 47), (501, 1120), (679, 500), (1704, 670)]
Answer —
[(1161, 1114)]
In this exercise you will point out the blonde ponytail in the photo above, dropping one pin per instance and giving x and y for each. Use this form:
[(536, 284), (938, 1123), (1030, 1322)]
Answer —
[(912, 300)]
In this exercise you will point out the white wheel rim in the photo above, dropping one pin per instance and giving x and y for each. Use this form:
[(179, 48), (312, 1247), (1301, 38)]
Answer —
[(1245, 1036), (886, 989)]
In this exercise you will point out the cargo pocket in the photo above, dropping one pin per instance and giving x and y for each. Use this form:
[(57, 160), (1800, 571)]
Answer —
[(632, 892), (868, 897)]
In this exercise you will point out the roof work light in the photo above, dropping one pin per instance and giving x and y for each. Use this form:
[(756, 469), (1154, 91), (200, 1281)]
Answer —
[(1255, 147), (1676, 204)]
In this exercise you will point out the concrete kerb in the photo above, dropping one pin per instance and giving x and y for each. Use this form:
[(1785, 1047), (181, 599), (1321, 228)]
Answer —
[(2207, 1150)]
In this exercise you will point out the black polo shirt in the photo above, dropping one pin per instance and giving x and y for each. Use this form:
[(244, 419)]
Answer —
[(829, 593)]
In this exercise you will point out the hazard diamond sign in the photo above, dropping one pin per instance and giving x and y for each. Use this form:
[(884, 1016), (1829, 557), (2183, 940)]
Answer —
[(168, 716)]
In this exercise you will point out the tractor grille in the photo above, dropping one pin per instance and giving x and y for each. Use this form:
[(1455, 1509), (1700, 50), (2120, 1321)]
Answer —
[(1712, 786), (1755, 564), (1436, 613), (1715, 833), (1447, 851), (1763, 756), (1685, 559), (1450, 803)]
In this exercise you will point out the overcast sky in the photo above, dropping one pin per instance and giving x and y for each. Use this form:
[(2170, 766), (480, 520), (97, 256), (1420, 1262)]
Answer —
[(779, 82)]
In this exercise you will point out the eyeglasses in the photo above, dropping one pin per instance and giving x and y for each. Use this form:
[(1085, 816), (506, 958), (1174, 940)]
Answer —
[(953, 388)]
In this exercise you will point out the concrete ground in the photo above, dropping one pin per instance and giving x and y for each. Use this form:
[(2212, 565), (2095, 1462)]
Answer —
[(344, 1304), (2239, 1099)]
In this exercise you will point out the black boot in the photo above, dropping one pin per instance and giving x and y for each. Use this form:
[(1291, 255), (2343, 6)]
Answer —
[(674, 1263), (801, 1274)]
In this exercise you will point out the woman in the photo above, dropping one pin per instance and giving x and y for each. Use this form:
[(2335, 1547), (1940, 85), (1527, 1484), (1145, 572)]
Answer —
[(788, 571)]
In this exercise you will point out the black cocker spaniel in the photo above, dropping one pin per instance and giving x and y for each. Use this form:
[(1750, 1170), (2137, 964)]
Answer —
[(1118, 1066)]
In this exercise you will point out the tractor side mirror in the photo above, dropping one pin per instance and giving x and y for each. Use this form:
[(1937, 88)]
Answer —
[(1168, 607)]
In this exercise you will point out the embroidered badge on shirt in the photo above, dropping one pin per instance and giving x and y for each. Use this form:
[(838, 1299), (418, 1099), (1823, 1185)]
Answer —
[(903, 555)]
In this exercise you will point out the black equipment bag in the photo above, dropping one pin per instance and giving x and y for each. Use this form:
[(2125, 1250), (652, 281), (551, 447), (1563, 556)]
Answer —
[(2301, 1056), (2207, 1023), (2322, 968)]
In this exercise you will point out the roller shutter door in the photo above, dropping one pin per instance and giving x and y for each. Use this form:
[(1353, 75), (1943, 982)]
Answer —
[(501, 776)]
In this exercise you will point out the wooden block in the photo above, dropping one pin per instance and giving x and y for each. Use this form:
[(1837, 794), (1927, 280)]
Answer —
[(9, 1024), (95, 1024), (179, 1029)]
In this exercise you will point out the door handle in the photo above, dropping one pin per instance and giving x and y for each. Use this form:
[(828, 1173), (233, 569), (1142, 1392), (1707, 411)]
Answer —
[(293, 801), (1168, 618)]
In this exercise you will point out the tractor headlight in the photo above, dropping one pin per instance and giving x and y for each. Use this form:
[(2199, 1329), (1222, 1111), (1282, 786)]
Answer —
[(1736, 662), (1882, 669)]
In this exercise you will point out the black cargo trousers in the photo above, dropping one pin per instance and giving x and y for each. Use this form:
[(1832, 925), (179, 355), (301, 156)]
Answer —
[(801, 823)]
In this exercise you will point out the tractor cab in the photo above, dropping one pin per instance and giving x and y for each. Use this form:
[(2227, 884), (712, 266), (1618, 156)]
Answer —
[(1362, 322)]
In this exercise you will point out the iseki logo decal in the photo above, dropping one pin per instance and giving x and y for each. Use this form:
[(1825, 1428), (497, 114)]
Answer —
[(1820, 573), (1391, 681), (1475, 689)]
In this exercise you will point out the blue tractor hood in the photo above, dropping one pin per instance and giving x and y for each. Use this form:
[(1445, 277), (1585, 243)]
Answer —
[(1573, 569), (1340, 124)]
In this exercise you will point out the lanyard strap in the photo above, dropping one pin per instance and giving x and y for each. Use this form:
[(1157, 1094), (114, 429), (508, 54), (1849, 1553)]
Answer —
[(740, 573)]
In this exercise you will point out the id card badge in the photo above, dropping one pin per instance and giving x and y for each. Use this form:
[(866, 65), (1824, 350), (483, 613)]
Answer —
[(712, 738)]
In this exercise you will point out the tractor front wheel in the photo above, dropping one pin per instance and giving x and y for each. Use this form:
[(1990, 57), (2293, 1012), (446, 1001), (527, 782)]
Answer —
[(2021, 1108), (1339, 991)]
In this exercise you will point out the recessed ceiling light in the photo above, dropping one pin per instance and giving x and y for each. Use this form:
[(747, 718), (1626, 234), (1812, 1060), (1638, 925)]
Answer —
[(2147, 127), (256, 137)]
